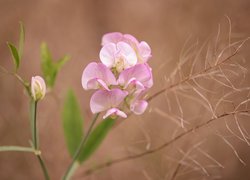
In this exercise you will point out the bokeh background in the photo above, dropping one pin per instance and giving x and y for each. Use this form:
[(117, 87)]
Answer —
[(76, 28)]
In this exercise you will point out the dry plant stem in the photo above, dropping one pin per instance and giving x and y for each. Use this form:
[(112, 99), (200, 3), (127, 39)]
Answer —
[(196, 74), (176, 171), (35, 139), (119, 160), (72, 167)]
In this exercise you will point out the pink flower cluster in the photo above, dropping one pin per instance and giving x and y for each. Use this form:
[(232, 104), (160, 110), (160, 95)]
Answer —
[(122, 78)]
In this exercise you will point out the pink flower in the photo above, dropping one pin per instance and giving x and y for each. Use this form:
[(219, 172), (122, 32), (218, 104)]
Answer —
[(38, 88), (97, 75), (123, 57), (138, 76), (104, 100), (142, 49), (119, 56)]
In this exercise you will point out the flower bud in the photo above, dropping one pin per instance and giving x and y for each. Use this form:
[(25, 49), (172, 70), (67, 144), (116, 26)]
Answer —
[(38, 88)]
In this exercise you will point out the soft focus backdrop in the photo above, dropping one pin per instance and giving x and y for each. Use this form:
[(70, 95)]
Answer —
[(76, 28)]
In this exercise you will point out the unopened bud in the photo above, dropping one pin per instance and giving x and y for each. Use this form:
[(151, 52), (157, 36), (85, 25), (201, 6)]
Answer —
[(38, 88)]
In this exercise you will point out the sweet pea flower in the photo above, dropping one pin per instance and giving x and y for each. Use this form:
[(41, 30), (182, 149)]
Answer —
[(38, 88), (142, 49), (122, 78), (97, 75), (136, 77), (104, 100), (118, 56)]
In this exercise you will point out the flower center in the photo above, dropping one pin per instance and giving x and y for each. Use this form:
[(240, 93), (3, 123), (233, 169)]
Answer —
[(120, 64)]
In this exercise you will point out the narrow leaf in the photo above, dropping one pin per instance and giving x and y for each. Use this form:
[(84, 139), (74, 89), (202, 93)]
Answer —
[(21, 40), (72, 122), (95, 138), (16, 148), (62, 61), (14, 54), (50, 68)]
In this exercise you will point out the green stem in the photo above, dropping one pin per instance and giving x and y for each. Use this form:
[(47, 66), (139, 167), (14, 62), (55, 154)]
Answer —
[(45, 171), (35, 139), (17, 148), (73, 165), (35, 126)]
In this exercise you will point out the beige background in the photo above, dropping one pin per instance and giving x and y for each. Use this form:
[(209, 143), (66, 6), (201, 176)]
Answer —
[(76, 28)]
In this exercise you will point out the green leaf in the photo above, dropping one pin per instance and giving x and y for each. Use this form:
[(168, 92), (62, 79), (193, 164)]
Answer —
[(62, 61), (72, 122), (21, 40), (50, 67), (95, 138), (14, 54)]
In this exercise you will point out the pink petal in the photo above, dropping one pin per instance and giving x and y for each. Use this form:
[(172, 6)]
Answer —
[(103, 100), (131, 39), (95, 83), (139, 106), (134, 83), (116, 112), (144, 51), (139, 72), (127, 52), (96, 74), (113, 37), (107, 54)]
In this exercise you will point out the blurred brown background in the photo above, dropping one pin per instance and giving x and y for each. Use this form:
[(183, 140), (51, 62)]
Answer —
[(76, 28)]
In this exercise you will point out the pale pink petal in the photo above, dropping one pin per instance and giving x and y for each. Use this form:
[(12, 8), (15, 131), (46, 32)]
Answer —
[(95, 83), (134, 84), (127, 52), (116, 112), (139, 72), (144, 51), (103, 100), (131, 39), (97, 74), (116, 96), (113, 37), (139, 106), (98, 101), (149, 83), (107, 54)]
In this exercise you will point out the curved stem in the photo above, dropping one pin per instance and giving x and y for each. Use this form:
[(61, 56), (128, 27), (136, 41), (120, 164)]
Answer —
[(73, 165), (35, 139)]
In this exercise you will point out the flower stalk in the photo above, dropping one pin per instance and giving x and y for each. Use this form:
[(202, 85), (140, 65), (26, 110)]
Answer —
[(35, 139)]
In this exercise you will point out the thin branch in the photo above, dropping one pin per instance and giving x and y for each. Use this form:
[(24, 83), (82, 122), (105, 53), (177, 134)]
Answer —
[(197, 163), (231, 146), (218, 63), (241, 131), (210, 157), (185, 155), (164, 145)]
